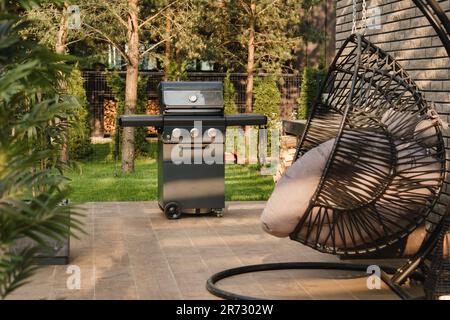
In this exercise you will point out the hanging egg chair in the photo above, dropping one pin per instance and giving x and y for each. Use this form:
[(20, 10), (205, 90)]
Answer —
[(369, 169), (386, 164)]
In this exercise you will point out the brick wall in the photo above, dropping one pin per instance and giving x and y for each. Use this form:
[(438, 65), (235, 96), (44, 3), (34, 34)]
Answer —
[(406, 34)]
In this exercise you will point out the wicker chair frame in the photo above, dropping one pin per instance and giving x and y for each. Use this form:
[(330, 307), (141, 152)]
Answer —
[(364, 201)]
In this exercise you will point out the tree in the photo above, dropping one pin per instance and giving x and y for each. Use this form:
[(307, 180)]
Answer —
[(31, 138), (54, 16), (183, 39), (256, 36), (229, 96), (61, 35), (311, 33), (117, 84), (60, 48), (309, 89), (250, 8), (78, 140), (122, 23), (50, 28), (268, 100)]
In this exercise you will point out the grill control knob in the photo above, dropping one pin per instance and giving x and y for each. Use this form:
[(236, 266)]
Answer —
[(195, 132), (193, 98), (176, 133), (212, 133)]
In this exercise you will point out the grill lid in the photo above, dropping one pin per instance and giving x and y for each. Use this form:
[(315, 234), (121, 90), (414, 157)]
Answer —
[(192, 96)]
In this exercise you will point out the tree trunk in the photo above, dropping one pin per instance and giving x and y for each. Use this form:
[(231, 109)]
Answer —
[(60, 48), (61, 36), (131, 85), (250, 71), (179, 62), (250, 59), (168, 48)]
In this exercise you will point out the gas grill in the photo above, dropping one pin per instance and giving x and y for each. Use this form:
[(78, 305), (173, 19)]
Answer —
[(191, 137)]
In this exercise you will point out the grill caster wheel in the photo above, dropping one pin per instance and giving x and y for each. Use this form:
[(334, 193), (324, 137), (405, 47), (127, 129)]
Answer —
[(218, 212), (172, 211)]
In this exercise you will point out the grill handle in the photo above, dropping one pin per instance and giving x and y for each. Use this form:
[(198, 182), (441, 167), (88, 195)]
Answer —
[(141, 121), (245, 119)]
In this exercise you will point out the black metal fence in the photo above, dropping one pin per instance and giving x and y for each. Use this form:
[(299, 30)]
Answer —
[(97, 92)]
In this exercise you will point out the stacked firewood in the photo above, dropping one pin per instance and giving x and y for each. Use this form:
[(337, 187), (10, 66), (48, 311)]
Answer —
[(152, 108), (287, 154), (109, 116)]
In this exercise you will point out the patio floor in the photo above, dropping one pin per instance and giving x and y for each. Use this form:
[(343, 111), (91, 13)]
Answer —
[(131, 251)]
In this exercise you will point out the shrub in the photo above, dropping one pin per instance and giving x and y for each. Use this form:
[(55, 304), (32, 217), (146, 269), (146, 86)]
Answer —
[(229, 95), (176, 72), (267, 100), (79, 141), (308, 90)]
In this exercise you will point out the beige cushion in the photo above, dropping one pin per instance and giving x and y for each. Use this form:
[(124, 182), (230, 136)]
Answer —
[(406, 125), (400, 124), (292, 195), (294, 190), (425, 133), (290, 199)]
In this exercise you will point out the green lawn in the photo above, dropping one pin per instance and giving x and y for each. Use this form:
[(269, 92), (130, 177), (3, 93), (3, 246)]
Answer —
[(95, 180)]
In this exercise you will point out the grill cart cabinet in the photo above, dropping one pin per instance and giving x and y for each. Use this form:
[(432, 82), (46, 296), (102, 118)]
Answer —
[(193, 124), (191, 134)]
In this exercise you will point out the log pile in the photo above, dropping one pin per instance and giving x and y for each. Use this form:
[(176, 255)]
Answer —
[(152, 108), (287, 153), (109, 116)]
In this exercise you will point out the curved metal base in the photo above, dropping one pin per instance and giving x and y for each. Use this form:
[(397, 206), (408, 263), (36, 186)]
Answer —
[(212, 281)]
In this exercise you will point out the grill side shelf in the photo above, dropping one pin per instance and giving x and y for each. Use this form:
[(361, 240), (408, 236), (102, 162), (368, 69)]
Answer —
[(141, 121), (247, 119)]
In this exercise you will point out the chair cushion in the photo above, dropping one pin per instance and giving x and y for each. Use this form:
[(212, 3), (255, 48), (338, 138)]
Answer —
[(425, 133), (400, 124), (293, 192), (406, 125)]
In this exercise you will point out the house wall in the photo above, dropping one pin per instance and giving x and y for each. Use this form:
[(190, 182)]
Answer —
[(406, 34)]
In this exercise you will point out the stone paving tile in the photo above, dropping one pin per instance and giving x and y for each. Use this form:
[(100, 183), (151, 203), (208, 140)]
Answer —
[(131, 251), (39, 288), (113, 289), (160, 286)]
